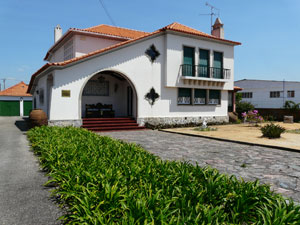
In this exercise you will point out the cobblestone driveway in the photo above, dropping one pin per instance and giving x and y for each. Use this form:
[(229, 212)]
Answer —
[(279, 168)]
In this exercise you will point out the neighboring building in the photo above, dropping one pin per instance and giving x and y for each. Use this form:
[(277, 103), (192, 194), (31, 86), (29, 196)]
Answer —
[(15, 101), (269, 93), (173, 75)]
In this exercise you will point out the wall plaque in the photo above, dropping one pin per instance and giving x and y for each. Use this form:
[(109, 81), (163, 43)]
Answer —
[(66, 93)]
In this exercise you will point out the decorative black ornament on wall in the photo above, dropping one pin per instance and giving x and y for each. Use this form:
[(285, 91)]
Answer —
[(151, 96), (152, 53)]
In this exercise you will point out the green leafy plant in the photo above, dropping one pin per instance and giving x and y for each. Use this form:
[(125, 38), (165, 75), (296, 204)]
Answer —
[(272, 130), (206, 129), (243, 107), (292, 105), (295, 131), (106, 181)]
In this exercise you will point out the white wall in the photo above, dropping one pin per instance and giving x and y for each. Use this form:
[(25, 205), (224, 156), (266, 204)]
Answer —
[(261, 92), (174, 55), (86, 44), (133, 63), (82, 45)]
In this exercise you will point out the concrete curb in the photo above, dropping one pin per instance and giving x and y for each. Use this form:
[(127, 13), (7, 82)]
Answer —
[(233, 141)]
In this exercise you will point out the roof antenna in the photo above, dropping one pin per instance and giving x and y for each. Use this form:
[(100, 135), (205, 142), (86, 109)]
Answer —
[(213, 12)]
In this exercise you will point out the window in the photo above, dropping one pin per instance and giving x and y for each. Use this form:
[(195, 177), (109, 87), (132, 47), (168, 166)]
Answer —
[(188, 68), (214, 97), (247, 94), (218, 65), (68, 50), (274, 94), (41, 96), (203, 69), (290, 94), (200, 97), (184, 96), (96, 88)]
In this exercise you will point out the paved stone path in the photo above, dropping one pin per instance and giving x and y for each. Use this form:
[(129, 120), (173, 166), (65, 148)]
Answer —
[(23, 198), (279, 168)]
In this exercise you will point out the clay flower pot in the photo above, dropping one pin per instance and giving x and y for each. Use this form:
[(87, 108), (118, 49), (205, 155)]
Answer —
[(38, 117)]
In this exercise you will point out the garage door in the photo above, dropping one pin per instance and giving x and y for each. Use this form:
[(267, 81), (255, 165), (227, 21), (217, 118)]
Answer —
[(9, 108), (27, 107)]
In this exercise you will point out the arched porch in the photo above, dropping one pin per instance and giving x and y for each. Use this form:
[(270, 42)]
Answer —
[(109, 94)]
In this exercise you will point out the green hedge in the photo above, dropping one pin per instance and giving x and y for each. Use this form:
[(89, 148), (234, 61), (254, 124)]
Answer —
[(105, 181)]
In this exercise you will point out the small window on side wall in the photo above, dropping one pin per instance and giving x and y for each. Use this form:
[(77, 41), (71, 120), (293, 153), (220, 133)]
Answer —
[(214, 97), (184, 96), (200, 97), (291, 94), (41, 96)]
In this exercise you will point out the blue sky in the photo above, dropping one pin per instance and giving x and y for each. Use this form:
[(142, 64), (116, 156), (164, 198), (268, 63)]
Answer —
[(269, 30)]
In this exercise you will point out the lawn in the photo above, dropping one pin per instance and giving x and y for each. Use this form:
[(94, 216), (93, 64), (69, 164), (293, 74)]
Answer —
[(106, 181), (249, 133)]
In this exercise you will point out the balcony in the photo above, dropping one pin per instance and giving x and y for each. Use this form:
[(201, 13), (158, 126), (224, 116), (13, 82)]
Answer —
[(203, 75), (204, 72)]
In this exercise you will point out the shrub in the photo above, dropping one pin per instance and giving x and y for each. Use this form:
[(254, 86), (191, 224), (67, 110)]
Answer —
[(105, 181), (243, 107), (252, 117), (272, 130), (206, 129)]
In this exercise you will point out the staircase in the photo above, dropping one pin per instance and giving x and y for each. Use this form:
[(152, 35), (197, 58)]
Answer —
[(110, 124)]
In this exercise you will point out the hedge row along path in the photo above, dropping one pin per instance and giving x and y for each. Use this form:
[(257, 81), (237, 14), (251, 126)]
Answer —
[(279, 168), (105, 181)]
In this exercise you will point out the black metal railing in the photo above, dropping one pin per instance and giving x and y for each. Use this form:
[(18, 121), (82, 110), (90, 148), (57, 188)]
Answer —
[(204, 71)]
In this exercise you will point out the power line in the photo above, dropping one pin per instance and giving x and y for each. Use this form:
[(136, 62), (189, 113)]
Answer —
[(107, 13)]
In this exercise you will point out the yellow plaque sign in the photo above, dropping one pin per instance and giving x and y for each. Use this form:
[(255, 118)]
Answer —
[(66, 93)]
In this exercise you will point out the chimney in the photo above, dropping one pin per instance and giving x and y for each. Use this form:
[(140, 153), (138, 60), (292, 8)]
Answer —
[(57, 33), (218, 30)]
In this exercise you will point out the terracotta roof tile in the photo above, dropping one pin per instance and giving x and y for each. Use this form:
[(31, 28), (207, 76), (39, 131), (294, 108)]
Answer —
[(115, 31), (19, 89), (185, 29), (135, 35)]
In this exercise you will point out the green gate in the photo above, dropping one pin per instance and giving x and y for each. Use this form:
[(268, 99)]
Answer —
[(9, 108), (27, 107)]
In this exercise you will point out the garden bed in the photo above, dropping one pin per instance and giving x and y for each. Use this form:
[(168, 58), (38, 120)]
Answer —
[(105, 181), (248, 133)]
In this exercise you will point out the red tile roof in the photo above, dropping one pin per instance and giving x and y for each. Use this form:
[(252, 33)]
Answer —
[(188, 30), (110, 30), (115, 31), (236, 88), (19, 89)]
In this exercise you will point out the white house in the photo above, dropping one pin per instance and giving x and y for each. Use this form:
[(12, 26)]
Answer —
[(15, 101), (173, 75), (269, 94)]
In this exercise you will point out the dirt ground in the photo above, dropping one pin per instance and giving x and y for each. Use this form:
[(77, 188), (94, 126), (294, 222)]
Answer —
[(248, 133)]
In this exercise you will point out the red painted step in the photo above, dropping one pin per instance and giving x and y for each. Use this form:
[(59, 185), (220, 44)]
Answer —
[(99, 129), (110, 124)]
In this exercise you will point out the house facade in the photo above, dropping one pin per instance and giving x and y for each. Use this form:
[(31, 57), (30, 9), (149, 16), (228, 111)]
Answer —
[(15, 101), (173, 75), (269, 94)]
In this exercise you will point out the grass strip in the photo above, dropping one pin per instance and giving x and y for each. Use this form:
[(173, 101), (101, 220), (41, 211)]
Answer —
[(106, 181)]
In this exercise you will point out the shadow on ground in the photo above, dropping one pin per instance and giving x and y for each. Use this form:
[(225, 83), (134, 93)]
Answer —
[(23, 124)]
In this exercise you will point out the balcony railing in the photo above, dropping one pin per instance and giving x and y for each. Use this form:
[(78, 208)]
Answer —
[(204, 71)]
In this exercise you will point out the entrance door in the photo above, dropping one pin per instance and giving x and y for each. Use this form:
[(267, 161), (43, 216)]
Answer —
[(129, 101)]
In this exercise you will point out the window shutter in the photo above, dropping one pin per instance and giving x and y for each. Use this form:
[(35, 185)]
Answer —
[(200, 93), (184, 92)]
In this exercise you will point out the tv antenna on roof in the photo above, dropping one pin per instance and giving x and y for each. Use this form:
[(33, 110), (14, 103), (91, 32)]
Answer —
[(213, 12)]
